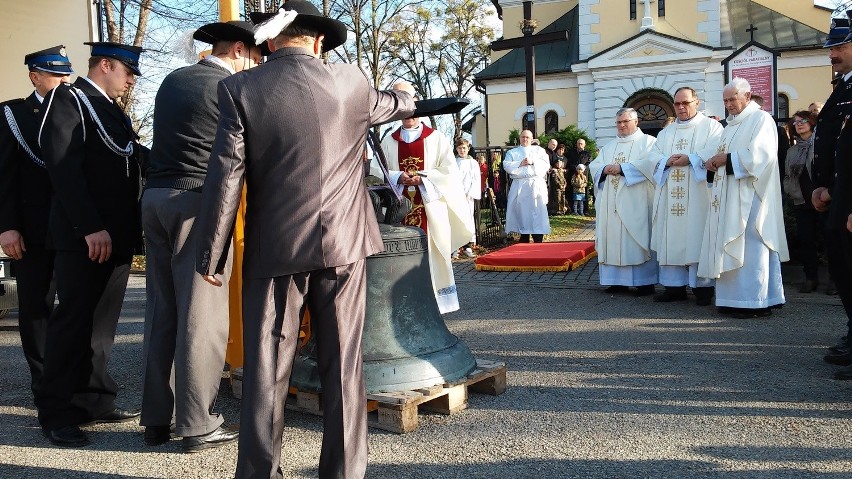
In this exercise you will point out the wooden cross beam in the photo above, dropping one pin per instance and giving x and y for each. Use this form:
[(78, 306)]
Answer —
[(528, 42)]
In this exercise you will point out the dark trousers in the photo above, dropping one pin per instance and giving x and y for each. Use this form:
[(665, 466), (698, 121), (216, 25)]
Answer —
[(808, 224), (272, 311), (537, 238), (477, 216), (80, 334), (838, 248), (36, 293)]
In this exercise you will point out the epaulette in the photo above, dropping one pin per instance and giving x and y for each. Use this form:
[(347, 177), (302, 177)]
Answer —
[(14, 101)]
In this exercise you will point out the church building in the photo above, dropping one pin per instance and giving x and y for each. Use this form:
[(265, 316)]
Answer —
[(636, 53)]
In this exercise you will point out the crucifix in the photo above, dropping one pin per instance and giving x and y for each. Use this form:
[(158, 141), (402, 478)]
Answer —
[(751, 29), (528, 42)]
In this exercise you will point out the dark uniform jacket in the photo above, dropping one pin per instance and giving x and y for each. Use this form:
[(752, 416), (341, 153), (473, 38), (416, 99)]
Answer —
[(829, 123), (294, 129), (95, 188), (25, 190)]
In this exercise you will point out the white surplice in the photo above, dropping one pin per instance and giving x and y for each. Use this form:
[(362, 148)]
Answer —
[(526, 204), (448, 219), (471, 180), (623, 210), (681, 198), (744, 240)]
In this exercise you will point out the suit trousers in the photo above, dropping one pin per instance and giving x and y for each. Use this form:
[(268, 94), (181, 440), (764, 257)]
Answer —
[(272, 309), (838, 249), (186, 319), (36, 294), (79, 339)]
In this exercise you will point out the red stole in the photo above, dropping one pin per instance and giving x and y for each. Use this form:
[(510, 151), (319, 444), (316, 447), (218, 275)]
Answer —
[(411, 161)]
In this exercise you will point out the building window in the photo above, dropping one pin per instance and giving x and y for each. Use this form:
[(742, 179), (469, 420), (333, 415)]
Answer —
[(783, 106), (632, 9), (551, 122), (661, 8)]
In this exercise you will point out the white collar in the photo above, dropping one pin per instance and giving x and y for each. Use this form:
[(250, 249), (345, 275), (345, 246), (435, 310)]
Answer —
[(221, 63), (38, 97), (847, 76), (631, 136), (98, 88)]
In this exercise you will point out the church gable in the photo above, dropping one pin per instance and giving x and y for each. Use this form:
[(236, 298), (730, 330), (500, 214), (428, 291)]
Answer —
[(649, 46)]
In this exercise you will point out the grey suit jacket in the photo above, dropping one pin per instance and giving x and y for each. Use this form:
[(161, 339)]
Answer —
[(294, 130)]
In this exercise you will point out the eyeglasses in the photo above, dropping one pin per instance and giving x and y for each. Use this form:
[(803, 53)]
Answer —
[(800, 122), (623, 122), (684, 103)]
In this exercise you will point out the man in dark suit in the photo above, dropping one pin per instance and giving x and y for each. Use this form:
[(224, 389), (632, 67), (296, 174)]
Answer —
[(25, 195), (828, 155), (186, 319), (89, 148), (297, 125)]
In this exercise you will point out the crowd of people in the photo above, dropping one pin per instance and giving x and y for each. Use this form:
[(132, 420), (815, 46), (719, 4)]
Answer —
[(698, 206)]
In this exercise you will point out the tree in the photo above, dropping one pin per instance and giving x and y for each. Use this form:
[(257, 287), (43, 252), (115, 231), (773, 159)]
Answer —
[(463, 46)]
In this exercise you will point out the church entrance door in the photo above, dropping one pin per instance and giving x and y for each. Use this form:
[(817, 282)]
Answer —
[(654, 108)]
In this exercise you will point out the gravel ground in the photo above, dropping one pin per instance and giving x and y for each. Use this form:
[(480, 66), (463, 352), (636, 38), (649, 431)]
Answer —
[(599, 387)]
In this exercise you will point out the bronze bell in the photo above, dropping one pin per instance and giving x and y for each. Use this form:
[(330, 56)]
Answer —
[(406, 344)]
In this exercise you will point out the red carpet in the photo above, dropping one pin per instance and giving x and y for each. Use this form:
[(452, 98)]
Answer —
[(563, 256)]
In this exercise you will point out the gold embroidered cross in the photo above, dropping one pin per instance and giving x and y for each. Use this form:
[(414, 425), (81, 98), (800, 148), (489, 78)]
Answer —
[(717, 177), (678, 209), (620, 158), (720, 148), (715, 203), (678, 192), (682, 144), (614, 182), (678, 175)]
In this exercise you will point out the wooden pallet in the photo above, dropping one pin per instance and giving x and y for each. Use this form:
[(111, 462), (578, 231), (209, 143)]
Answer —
[(398, 411)]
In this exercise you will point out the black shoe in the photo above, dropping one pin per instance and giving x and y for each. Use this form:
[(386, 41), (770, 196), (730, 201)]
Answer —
[(644, 290), (156, 435), (808, 286), (616, 289), (703, 295), (841, 348), (844, 374), (222, 435), (831, 290), (68, 436), (746, 313), (672, 293), (117, 415), (838, 359)]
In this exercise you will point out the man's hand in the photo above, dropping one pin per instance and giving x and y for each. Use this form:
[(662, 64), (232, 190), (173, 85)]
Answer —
[(716, 161), (408, 180), (525, 162), (678, 160), (13, 244), (613, 169), (211, 279), (100, 246), (820, 198)]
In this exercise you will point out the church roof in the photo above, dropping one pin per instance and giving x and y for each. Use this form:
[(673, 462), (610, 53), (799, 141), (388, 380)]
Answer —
[(549, 58), (774, 30)]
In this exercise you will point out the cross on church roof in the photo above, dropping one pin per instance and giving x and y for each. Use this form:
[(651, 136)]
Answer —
[(751, 29)]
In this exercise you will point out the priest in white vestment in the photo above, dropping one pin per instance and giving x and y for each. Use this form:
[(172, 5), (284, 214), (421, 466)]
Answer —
[(624, 190), (526, 204), (744, 241), (682, 198), (421, 160)]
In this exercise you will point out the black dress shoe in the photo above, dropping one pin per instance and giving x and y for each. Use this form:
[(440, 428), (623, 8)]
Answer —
[(644, 290), (703, 295), (156, 435), (222, 435), (117, 415), (840, 348), (68, 436), (838, 359), (616, 289), (844, 374), (746, 313), (677, 293)]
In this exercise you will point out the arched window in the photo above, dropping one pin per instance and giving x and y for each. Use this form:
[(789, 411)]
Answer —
[(783, 106), (551, 122)]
